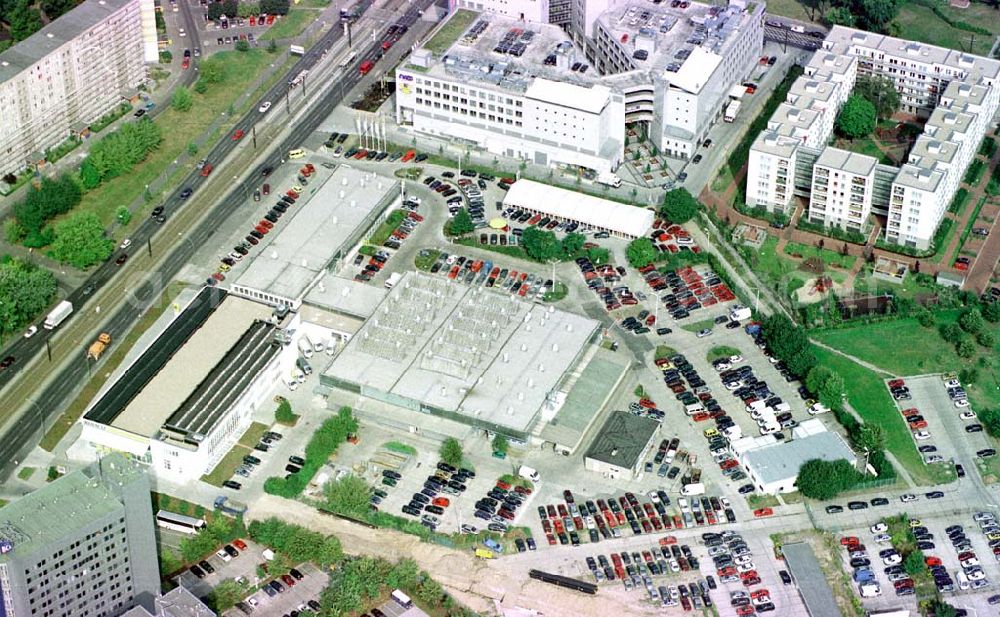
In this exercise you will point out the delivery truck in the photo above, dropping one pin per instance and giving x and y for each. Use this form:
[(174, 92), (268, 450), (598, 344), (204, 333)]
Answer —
[(609, 179), (732, 109), (58, 315)]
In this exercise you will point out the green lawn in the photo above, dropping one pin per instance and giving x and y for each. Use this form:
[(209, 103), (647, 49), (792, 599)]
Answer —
[(290, 25), (240, 71), (721, 351), (450, 31), (869, 397), (866, 146), (830, 258), (664, 351), (253, 434), (425, 259), (698, 326), (401, 448), (227, 466), (25, 473)]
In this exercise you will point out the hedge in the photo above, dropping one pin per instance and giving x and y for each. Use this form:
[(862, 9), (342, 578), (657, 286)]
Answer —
[(324, 442)]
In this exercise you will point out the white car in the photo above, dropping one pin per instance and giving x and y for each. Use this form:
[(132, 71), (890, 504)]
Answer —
[(921, 435), (933, 458), (253, 601), (817, 409), (976, 574), (264, 106), (735, 359), (879, 528), (180, 32), (962, 402), (746, 567), (908, 497), (30, 332), (893, 559), (953, 383), (723, 366), (882, 538), (970, 562), (704, 333), (223, 555), (125, 244), (967, 415)]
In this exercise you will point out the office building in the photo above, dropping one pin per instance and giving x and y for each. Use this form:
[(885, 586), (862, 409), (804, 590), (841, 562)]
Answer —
[(956, 95), (81, 545), (58, 81), (522, 90)]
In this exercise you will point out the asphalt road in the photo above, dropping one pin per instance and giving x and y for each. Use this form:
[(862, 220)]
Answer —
[(20, 436)]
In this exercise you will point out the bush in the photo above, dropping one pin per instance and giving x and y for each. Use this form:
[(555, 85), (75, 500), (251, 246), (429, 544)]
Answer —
[(451, 452), (925, 318), (679, 206), (965, 348), (971, 321), (284, 414), (819, 479), (990, 418), (297, 543), (242, 46), (986, 339), (324, 442)]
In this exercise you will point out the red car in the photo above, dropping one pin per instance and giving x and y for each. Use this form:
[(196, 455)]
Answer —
[(503, 485), (846, 541), (207, 169), (186, 63), (441, 502), (931, 560), (288, 580), (240, 544), (896, 383), (261, 229), (238, 135)]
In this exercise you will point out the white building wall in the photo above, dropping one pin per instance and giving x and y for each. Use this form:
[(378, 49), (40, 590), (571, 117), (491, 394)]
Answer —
[(840, 198), (764, 186), (536, 11)]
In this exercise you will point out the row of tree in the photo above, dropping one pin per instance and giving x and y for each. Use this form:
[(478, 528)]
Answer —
[(117, 153), (323, 443), (52, 197), (873, 15), (232, 8)]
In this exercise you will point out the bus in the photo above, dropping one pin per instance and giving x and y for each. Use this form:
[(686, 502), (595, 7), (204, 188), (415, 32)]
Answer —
[(179, 522)]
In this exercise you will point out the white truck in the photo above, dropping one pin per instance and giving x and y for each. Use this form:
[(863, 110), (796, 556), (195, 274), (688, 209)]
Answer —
[(609, 179), (739, 313), (305, 346), (392, 280), (732, 109), (58, 315)]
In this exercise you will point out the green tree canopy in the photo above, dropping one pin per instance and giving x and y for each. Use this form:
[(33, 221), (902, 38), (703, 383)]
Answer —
[(826, 384), (25, 292), (123, 215), (80, 241), (451, 450), (679, 206), (182, 100), (870, 437), (461, 223), (819, 479), (990, 418), (572, 243), (857, 118), (875, 15), (24, 20), (914, 563), (840, 16), (500, 444), (991, 311), (350, 495), (880, 92), (790, 343), (640, 252), (541, 245), (971, 320)]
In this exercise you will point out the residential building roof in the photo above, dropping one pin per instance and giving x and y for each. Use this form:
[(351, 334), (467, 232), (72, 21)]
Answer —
[(850, 162), (601, 213), (622, 439)]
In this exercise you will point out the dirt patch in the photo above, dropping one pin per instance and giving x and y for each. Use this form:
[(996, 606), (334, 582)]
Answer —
[(812, 265)]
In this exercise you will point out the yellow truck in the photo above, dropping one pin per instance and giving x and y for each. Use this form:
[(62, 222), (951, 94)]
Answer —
[(483, 553), (98, 346)]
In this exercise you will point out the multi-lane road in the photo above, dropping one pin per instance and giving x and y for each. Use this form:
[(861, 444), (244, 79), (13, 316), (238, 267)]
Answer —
[(22, 433)]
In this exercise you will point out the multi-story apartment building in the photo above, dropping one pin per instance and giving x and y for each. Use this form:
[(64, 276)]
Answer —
[(958, 95), (82, 545), (534, 11), (525, 91), (68, 74)]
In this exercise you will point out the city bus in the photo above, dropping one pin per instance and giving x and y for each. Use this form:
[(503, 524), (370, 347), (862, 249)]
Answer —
[(179, 522)]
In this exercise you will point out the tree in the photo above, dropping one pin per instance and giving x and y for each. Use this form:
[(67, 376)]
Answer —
[(51, 198), (826, 384), (540, 245), (640, 252), (875, 15), (991, 311), (242, 46), (225, 595), (870, 437), (819, 479), (925, 317), (857, 118), (274, 7), (192, 149), (451, 450), (284, 414), (429, 590), (914, 563), (23, 19), (13, 231), (950, 332), (500, 444), (350, 495), (990, 419), (404, 575), (201, 87), (971, 321), (55, 9), (182, 100), (965, 348), (123, 215), (215, 10), (80, 241), (211, 71), (679, 206), (90, 178), (840, 16), (572, 243), (880, 92), (230, 8), (986, 339), (461, 223), (272, 47)]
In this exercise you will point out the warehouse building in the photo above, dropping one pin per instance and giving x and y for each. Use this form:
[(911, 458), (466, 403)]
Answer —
[(522, 90), (618, 219), (621, 445), (63, 78), (957, 93), (470, 355), (188, 397), (316, 235), (773, 466)]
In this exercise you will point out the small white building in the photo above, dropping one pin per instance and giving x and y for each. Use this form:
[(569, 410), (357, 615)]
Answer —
[(618, 219), (773, 466), (621, 445)]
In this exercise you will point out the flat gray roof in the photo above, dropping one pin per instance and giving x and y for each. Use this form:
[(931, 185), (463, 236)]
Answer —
[(59, 508), (189, 366), (592, 388), (850, 162), (783, 460), (622, 439), (56, 34), (347, 296), (477, 352), (333, 217), (811, 582)]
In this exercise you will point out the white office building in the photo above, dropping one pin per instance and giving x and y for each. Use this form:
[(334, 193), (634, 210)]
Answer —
[(70, 73), (522, 90), (958, 95), (534, 11)]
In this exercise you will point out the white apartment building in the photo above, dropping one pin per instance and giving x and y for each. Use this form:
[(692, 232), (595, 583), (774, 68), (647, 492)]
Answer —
[(957, 93), (534, 11), (522, 90), (68, 74)]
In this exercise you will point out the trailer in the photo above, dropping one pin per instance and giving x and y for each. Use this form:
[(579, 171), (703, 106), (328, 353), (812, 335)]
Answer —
[(58, 315)]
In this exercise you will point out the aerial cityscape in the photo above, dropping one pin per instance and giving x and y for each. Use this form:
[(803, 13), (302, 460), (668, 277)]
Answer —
[(507, 308)]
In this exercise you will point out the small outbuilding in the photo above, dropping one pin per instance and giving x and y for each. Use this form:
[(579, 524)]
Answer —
[(621, 445)]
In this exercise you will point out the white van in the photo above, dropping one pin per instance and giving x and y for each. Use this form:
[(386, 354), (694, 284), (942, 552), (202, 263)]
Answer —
[(694, 408), (529, 473), (963, 580), (755, 406), (690, 490)]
